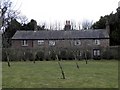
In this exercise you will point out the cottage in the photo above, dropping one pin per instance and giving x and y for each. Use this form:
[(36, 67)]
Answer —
[(91, 41)]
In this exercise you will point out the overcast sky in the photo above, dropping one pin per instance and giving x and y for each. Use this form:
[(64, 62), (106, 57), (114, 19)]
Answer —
[(61, 10)]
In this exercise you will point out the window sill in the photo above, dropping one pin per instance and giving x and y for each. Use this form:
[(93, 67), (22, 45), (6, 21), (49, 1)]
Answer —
[(98, 44), (24, 45)]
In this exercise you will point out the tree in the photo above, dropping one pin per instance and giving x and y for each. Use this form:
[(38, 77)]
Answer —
[(13, 26), (100, 24), (32, 25), (87, 24), (23, 20), (118, 12), (79, 25), (114, 23), (7, 15)]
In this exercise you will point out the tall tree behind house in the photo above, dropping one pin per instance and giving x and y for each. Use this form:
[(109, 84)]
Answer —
[(114, 22)]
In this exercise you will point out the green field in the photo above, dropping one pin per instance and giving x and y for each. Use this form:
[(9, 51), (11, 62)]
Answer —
[(47, 74)]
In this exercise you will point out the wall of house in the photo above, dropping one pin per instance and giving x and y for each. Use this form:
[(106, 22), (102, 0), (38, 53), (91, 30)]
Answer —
[(71, 43), (86, 45), (61, 43), (18, 44)]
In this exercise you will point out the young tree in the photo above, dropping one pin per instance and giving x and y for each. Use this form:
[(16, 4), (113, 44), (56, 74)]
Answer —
[(62, 72)]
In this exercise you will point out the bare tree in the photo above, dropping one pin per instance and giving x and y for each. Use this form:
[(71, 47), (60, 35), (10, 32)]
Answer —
[(73, 25), (79, 25), (50, 26), (56, 25), (75, 59), (62, 72), (7, 14), (23, 19), (59, 26), (86, 24)]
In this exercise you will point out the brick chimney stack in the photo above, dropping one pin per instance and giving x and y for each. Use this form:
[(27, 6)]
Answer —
[(67, 22), (67, 25)]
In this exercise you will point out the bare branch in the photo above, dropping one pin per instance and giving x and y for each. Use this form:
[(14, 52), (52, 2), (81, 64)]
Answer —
[(86, 24)]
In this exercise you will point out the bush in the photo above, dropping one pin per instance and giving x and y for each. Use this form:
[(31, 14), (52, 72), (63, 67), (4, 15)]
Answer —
[(63, 55), (40, 56), (70, 55), (86, 55), (52, 55), (28, 56)]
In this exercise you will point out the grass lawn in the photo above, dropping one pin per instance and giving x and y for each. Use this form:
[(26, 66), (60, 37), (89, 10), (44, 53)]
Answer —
[(47, 74)]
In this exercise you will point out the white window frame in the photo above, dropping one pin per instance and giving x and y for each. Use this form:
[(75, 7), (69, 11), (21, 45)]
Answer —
[(77, 42), (40, 42), (96, 52), (52, 43), (97, 42), (24, 42)]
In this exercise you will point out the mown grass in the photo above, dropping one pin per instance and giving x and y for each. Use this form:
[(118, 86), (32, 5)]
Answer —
[(47, 74)]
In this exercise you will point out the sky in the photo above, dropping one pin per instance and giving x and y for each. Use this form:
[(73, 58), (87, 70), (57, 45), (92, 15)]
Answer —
[(50, 11)]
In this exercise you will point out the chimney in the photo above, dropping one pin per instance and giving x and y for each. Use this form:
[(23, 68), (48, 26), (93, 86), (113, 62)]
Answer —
[(67, 25), (67, 22), (107, 26)]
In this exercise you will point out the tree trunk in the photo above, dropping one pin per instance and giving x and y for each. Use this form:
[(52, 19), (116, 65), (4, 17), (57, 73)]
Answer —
[(77, 65), (76, 62), (86, 57), (34, 61), (8, 60), (62, 72)]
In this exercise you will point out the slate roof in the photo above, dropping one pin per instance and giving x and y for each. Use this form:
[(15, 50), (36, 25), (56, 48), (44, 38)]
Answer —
[(62, 34)]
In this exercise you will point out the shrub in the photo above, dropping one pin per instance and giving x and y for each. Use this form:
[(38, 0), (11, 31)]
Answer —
[(40, 56), (63, 55), (28, 56), (52, 55), (70, 55), (86, 55)]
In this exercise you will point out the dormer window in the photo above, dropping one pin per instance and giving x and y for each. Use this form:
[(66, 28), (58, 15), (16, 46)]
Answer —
[(52, 43), (40, 42), (97, 42), (24, 43), (77, 42)]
